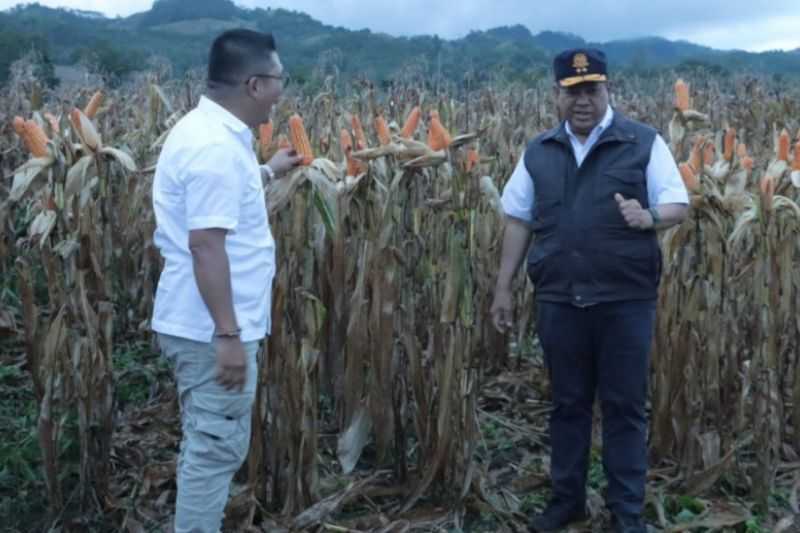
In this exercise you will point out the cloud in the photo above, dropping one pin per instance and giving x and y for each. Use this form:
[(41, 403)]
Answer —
[(726, 24)]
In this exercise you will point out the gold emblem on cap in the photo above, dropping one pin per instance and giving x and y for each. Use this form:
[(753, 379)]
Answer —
[(580, 63)]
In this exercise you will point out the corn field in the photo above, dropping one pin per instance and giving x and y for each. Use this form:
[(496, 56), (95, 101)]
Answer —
[(386, 401)]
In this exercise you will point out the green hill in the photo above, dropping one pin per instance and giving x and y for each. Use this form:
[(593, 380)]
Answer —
[(182, 31)]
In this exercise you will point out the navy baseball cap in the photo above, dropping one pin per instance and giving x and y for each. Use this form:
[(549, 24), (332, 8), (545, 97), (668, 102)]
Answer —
[(579, 65)]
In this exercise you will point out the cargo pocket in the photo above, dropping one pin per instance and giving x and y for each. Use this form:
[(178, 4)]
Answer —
[(219, 415)]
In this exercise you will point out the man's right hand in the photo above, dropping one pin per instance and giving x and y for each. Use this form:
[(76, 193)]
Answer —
[(231, 363), (502, 309), (284, 160)]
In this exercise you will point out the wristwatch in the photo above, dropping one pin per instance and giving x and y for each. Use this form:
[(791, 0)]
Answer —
[(654, 213)]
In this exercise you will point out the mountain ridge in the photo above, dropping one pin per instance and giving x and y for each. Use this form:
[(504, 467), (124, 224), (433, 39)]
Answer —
[(124, 44)]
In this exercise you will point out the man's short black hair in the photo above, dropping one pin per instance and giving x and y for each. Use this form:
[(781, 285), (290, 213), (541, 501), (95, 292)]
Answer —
[(236, 54)]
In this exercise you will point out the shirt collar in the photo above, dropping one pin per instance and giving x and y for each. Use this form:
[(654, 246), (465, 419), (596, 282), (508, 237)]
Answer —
[(210, 107), (597, 130)]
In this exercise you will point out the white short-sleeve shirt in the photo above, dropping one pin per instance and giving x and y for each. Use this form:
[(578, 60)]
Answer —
[(664, 183), (208, 177)]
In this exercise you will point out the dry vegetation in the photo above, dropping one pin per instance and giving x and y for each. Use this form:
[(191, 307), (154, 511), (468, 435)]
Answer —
[(387, 402)]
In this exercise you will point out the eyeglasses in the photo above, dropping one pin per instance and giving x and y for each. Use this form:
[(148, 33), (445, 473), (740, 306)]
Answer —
[(284, 77)]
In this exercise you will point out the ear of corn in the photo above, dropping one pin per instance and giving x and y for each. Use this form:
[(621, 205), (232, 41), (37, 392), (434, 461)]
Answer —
[(438, 137), (297, 131), (783, 146), (729, 144), (696, 157), (32, 136), (382, 130), (796, 158), (709, 154), (689, 177), (358, 133), (346, 142), (19, 125), (412, 122), (767, 186), (53, 122), (472, 160), (741, 150), (94, 104), (681, 95), (265, 137)]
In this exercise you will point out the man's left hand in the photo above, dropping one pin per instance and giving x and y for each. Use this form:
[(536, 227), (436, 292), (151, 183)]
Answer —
[(636, 216), (284, 160)]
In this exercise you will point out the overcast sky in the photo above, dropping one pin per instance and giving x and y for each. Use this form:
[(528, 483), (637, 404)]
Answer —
[(754, 25)]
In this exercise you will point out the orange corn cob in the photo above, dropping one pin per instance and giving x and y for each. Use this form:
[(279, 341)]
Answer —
[(783, 146), (741, 151), (346, 142), (299, 138), (75, 120), (709, 154), (438, 136), (689, 177), (767, 186), (729, 144), (681, 95), (94, 104), (696, 157), (411, 123), (358, 133), (19, 125), (53, 121), (472, 159), (265, 136), (32, 136), (747, 163), (796, 159), (383, 131)]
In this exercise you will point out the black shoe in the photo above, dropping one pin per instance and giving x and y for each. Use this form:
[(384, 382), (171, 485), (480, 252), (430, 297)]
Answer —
[(556, 516), (628, 524)]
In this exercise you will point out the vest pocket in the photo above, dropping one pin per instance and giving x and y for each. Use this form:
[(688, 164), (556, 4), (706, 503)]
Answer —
[(629, 182)]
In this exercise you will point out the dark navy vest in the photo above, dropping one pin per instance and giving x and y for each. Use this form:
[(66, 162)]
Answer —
[(584, 252)]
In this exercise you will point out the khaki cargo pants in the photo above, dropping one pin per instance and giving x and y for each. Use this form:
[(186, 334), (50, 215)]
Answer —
[(216, 432)]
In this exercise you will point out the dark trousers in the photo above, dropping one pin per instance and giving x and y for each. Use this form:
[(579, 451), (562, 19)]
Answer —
[(601, 349)]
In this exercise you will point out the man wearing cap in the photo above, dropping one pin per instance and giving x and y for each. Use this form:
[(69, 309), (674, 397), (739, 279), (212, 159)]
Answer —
[(593, 191)]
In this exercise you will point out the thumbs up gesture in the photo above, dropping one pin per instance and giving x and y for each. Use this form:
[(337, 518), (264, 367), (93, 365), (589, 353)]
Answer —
[(633, 213)]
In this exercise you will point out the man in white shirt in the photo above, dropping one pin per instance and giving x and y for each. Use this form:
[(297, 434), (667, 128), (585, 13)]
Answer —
[(212, 305), (593, 191)]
